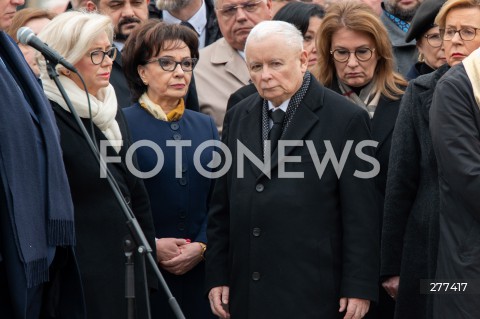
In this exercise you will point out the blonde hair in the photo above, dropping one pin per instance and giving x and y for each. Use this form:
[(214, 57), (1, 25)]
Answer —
[(72, 33), (441, 18), (359, 17)]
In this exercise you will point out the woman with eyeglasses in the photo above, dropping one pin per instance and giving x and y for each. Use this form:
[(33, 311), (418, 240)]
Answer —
[(410, 239), (355, 59), (429, 42), (85, 40), (158, 61)]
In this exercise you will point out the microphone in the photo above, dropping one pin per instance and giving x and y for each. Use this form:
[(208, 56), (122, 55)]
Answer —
[(26, 36)]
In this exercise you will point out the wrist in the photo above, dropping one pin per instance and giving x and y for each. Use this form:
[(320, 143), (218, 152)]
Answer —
[(203, 247)]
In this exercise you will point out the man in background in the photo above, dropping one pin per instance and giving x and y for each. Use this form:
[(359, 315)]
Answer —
[(221, 69), (198, 15), (396, 17)]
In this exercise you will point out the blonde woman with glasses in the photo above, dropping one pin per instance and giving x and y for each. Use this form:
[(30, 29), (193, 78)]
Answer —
[(85, 40)]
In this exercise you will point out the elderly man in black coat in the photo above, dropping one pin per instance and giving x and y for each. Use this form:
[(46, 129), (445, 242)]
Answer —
[(293, 247)]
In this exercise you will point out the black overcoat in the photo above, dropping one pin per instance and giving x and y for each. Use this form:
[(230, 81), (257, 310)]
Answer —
[(454, 125), (291, 247), (99, 221), (410, 221)]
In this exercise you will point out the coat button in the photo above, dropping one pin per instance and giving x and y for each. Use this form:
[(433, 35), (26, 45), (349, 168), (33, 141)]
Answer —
[(256, 276), (184, 168), (256, 232), (177, 137), (174, 126), (183, 181), (259, 188), (183, 214), (181, 226)]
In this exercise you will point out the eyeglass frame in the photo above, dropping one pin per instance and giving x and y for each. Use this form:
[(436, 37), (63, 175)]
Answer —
[(459, 33), (429, 36), (193, 60), (236, 7), (332, 52), (105, 53)]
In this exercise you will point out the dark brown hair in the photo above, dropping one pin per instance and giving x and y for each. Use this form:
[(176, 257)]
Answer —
[(146, 41)]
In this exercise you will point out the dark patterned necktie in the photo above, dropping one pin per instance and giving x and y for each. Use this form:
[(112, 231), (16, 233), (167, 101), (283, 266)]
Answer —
[(276, 131), (188, 25)]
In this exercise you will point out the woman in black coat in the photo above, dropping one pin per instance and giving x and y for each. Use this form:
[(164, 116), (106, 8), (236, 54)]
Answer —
[(427, 35), (355, 60), (410, 227), (99, 221)]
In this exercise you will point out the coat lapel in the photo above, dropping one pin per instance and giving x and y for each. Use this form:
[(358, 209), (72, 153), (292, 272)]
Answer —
[(118, 59), (304, 119), (234, 64), (384, 119), (68, 118), (252, 136), (428, 83)]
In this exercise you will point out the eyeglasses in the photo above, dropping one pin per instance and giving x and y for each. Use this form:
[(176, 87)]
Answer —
[(362, 54), (466, 34), (98, 56), (229, 11), (434, 39), (169, 64)]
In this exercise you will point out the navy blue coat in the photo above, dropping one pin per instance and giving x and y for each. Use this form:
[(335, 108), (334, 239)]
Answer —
[(63, 294), (179, 205)]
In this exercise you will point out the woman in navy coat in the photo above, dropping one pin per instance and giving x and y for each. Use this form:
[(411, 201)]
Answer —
[(158, 60)]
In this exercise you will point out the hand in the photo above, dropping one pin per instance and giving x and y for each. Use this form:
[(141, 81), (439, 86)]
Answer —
[(190, 256), (391, 286), (218, 298), (356, 308), (168, 248)]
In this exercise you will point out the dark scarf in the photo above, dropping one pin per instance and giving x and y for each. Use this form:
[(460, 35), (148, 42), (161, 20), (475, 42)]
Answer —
[(291, 109), (40, 218)]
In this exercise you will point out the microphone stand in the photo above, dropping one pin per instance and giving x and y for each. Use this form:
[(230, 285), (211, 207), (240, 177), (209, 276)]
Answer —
[(138, 236)]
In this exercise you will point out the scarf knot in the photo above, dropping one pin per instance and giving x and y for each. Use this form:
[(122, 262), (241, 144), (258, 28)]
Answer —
[(104, 106)]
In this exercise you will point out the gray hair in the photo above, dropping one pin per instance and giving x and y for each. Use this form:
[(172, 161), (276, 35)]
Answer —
[(291, 36), (72, 33)]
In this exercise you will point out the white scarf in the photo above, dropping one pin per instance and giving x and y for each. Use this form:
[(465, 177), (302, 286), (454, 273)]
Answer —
[(473, 72), (104, 106)]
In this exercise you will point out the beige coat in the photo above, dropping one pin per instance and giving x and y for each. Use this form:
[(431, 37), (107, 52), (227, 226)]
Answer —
[(219, 72)]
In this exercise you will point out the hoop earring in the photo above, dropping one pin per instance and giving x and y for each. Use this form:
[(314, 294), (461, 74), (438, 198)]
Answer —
[(421, 57)]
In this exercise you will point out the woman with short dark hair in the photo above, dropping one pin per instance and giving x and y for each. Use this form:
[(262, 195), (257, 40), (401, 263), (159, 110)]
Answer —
[(158, 62)]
